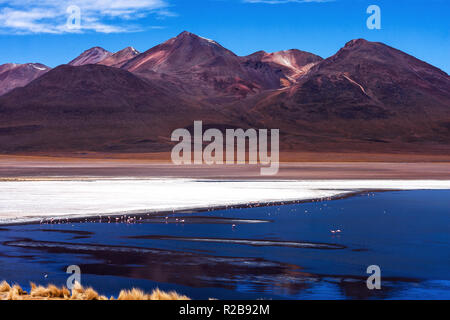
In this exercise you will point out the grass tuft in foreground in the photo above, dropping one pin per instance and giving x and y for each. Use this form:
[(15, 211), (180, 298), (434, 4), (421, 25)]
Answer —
[(79, 293)]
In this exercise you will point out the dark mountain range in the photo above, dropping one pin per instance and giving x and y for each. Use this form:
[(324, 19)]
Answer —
[(368, 97), (90, 107)]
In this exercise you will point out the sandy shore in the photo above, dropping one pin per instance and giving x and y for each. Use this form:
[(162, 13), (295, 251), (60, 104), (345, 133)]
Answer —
[(26, 167)]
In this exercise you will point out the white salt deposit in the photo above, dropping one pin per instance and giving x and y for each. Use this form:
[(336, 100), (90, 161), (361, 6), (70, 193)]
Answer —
[(25, 201)]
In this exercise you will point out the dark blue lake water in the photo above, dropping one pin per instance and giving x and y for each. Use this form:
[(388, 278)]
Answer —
[(281, 252)]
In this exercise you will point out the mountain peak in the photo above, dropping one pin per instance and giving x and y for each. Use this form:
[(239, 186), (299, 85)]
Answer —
[(127, 50), (119, 58), (186, 35), (95, 50), (356, 42), (132, 49), (379, 58), (13, 75), (295, 62), (258, 54), (91, 56), (179, 53), (37, 66)]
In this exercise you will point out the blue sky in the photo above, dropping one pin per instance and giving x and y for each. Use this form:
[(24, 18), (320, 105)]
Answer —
[(38, 32)]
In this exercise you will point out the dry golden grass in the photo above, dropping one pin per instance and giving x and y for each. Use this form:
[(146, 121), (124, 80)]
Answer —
[(78, 293), (4, 287), (50, 292), (136, 294)]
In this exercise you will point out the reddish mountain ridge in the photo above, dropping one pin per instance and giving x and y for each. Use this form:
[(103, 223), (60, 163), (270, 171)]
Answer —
[(91, 56), (368, 97), (119, 58), (19, 75), (205, 68), (183, 52), (294, 63), (368, 93)]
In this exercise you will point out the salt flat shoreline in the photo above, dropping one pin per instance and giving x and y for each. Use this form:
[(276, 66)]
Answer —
[(35, 201), (36, 188), (133, 216)]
